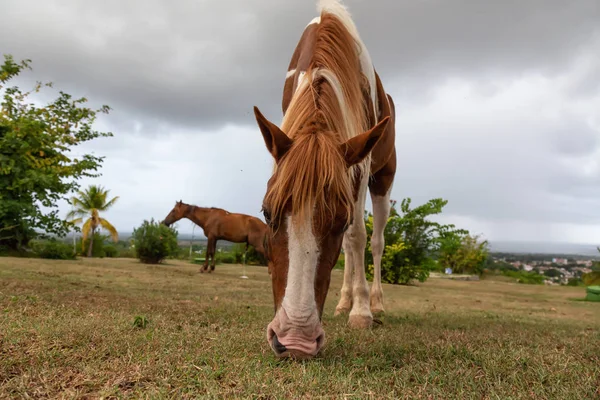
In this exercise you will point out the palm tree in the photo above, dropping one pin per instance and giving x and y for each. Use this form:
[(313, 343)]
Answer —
[(90, 202)]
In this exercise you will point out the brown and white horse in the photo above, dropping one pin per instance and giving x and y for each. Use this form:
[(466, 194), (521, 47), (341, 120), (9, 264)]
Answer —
[(219, 224), (336, 139)]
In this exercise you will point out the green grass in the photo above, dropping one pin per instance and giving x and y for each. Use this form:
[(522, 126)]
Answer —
[(115, 328)]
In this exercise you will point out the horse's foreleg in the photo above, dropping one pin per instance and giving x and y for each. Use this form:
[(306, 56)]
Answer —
[(381, 212), (214, 251), (209, 246), (345, 303), (355, 240)]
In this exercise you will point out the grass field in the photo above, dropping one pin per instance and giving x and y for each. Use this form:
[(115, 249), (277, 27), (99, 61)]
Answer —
[(67, 331)]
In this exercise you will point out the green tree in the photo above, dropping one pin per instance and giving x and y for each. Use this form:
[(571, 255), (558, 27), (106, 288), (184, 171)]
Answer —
[(418, 236), (462, 252), (92, 201), (36, 166)]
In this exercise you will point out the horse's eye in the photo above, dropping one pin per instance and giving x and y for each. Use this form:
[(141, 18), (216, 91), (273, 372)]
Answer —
[(267, 216)]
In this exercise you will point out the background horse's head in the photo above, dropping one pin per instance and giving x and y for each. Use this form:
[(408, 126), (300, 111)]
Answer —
[(308, 207), (176, 213)]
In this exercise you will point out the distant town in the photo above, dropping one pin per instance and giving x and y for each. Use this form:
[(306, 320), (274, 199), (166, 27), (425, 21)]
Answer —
[(556, 269)]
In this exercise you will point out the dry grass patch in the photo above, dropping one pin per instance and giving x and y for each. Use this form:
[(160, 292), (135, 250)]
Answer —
[(67, 331)]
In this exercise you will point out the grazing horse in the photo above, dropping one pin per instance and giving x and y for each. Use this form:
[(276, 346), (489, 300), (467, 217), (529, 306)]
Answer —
[(219, 224), (337, 139)]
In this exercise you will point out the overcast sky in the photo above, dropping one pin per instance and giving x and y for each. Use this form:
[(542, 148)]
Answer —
[(498, 102)]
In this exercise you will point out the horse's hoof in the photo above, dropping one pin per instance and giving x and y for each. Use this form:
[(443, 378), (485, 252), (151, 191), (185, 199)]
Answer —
[(341, 311), (360, 321), (377, 311)]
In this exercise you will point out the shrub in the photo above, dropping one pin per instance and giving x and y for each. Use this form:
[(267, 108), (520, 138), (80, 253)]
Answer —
[(97, 246), (553, 273), (52, 249), (154, 242), (462, 252), (529, 278), (253, 257), (416, 237), (225, 258), (111, 251), (574, 282), (396, 267), (127, 253), (591, 278)]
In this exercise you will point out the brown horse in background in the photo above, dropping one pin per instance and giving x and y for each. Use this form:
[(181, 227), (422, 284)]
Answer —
[(219, 224)]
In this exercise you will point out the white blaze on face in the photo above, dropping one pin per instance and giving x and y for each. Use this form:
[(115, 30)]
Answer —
[(299, 299)]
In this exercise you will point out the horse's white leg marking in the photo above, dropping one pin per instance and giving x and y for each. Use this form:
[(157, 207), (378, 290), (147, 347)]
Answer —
[(345, 302), (360, 315), (381, 213)]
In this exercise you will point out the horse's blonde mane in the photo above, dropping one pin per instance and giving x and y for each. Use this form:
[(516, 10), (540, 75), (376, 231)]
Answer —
[(327, 109)]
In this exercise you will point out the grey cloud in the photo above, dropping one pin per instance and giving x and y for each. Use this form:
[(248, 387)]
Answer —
[(205, 64), (496, 101), (574, 137)]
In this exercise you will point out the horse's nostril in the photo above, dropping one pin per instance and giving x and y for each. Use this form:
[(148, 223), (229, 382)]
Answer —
[(279, 348), (320, 340)]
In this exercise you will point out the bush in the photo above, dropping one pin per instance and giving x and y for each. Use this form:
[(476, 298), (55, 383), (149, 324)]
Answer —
[(52, 249), (574, 282), (111, 251), (591, 278), (127, 253), (397, 269), (553, 273), (97, 246), (225, 258), (253, 257), (462, 252), (154, 242), (529, 278)]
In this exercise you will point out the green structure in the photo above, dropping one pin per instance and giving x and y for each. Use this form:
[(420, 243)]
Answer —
[(593, 293)]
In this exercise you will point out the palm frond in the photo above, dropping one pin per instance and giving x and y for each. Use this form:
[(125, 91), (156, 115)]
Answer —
[(76, 213), (111, 229), (86, 228), (76, 221), (110, 203)]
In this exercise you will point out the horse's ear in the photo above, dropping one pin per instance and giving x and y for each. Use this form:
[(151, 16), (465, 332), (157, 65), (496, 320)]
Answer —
[(357, 148), (277, 142)]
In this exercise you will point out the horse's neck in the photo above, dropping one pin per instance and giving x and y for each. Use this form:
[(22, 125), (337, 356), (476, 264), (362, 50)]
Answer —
[(198, 215)]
